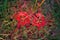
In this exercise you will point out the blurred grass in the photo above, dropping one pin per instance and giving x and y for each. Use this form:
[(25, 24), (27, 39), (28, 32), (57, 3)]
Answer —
[(4, 15)]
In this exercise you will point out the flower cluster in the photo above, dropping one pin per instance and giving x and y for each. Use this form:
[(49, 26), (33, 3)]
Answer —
[(24, 18)]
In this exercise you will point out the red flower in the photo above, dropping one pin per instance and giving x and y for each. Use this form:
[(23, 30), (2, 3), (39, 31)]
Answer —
[(22, 18), (39, 20)]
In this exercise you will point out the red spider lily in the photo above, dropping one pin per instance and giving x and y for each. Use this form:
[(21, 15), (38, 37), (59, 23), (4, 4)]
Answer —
[(22, 18), (39, 20)]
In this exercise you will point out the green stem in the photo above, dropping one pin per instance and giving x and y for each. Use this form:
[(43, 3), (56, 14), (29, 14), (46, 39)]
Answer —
[(5, 4), (35, 6)]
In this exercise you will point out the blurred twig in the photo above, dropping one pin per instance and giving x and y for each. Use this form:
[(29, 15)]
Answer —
[(1, 38), (41, 3), (58, 2), (5, 34)]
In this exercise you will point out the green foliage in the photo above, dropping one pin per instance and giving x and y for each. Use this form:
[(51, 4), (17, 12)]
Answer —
[(5, 16)]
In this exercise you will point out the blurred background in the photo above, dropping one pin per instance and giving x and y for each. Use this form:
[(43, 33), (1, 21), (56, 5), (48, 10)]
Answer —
[(50, 9)]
